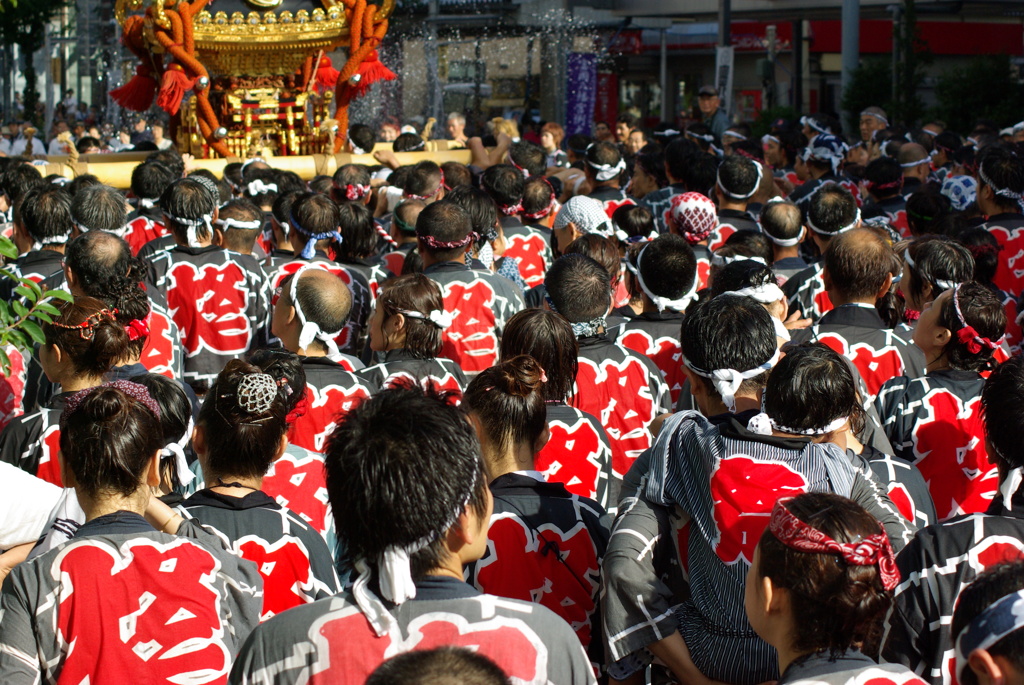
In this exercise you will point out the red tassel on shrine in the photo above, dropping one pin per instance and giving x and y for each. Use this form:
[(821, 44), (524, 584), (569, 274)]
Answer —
[(371, 71), (326, 75), (137, 94), (172, 90)]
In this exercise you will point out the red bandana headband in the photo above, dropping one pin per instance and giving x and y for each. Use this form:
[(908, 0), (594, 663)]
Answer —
[(898, 183), (354, 191), (440, 186), (533, 216), (874, 550)]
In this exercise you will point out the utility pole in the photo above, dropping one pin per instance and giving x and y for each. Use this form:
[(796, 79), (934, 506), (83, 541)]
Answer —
[(851, 48)]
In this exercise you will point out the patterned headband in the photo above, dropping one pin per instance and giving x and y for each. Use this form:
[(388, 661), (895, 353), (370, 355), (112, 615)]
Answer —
[(874, 550), (435, 244), (136, 391), (989, 627), (87, 328), (967, 335), (354, 191), (533, 216), (424, 198)]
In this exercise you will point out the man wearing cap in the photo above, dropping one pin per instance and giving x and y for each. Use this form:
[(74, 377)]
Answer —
[(714, 116), (872, 119)]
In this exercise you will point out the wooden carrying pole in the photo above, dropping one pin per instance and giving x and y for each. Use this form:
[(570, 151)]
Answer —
[(116, 169)]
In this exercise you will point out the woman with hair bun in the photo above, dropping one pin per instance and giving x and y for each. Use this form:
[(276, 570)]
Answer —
[(82, 344), (66, 516), (405, 334), (242, 430), (577, 452), (123, 601), (296, 479), (544, 542), (985, 249), (935, 421), (818, 589)]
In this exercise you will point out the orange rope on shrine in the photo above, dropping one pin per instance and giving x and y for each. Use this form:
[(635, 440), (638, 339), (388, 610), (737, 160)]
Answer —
[(365, 34), (184, 70)]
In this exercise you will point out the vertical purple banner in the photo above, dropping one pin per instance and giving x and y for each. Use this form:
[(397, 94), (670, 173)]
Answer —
[(580, 93)]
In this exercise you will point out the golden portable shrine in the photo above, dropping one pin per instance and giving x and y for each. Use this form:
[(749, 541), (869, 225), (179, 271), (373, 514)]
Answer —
[(247, 77)]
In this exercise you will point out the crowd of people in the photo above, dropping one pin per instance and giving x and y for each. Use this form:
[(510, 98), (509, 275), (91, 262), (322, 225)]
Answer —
[(647, 406)]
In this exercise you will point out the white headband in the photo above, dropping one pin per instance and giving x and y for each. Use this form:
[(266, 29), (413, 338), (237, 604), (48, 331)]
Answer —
[(877, 116), (606, 172), (235, 223), (728, 381), (733, 134), (52, 240), (191, 237), (439, 318), (910, 165), (258, 187), (662, 303), (626, 238), (310, 329), (146, 203), (766, 293), (844, 229), (763, 424), (718, 260), (394, 575), (824, 430), (757, 184), (942, 283), (177, 449), (788, 242)]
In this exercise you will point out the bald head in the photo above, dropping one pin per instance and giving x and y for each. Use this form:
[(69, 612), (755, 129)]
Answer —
[(98, 263), (859, 265), (324, 299), (781, 220), (914, 160), (406, 214)]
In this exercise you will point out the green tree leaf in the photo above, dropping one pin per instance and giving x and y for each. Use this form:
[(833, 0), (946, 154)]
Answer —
[(45, 308), (26, 293), (33, 329), (60, 295)]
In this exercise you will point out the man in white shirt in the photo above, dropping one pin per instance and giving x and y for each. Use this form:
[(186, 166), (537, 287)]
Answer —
[(56, 147), (28, 145)]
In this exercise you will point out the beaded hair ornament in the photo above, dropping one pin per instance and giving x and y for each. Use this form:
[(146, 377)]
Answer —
[(87, 328)]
